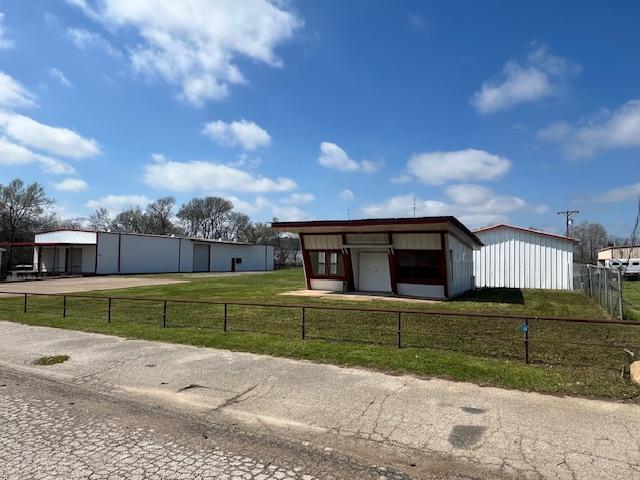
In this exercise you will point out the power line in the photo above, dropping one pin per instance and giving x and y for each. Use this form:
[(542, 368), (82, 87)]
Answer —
[(568, 215)]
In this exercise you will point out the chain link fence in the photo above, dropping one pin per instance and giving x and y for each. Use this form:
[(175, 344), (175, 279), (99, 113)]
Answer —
[(603, 285)]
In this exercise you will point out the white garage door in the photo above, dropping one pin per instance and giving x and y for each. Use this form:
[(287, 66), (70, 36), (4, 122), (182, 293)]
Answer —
[(373, 272), (200, 257)]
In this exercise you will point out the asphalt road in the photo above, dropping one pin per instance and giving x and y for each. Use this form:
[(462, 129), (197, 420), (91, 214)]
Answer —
[(53, 430)]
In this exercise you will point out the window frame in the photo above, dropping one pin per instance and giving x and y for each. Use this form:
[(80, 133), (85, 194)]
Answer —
[(327, 276), (441, 280)]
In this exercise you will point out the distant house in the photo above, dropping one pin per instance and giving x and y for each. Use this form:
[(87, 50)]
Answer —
[(625, 257), (429, 257), (84, 252), (516, 257)]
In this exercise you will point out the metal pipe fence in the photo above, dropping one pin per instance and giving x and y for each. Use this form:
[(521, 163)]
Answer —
[(547, 340), (604, 286)]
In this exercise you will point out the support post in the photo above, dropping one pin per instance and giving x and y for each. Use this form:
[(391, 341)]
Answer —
[(399, 330), (64, 306), (620, 301), (109, 311), (224, 325), (25, 303), (302, 325), (526, 340), (164, 313)]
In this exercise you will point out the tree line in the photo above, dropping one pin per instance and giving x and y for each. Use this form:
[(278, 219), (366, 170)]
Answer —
[(27, 209)]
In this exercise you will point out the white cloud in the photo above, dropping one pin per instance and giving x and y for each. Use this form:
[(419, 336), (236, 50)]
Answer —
[(54, 140), (619, 194), (298, 198), (4, 41), (609, 130), (474, 205), (243, 134), (84, 40), (196, 47), (266, 209), (210, 176), (118, 203), (13, 94), (401, 178), (334, 157), (59, 76), (14, 154), (435, 168), (71, 185), (346, 195), (542, 75)]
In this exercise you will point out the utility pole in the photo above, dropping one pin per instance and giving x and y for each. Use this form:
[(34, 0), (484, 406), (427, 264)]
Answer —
[(414, 207), (568, 215)]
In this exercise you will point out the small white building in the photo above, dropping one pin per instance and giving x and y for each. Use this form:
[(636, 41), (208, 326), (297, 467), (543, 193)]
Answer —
[(84, 252), (515, 257), (429, 257)]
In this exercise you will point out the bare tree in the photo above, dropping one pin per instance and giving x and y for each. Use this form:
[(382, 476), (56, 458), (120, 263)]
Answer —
[(205, 217), (100, 219), (592, 237), (160, 216)]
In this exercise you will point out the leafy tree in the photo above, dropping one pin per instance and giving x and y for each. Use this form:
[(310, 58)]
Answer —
[(205, 217), (160, 217)]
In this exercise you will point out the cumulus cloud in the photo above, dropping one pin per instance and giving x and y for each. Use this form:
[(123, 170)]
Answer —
[(297, 198), (334, 157), (4, 41), (53, 140), (118, 203), (209, 176), (619, 194), (265, 208), (346, 195), (243, 134), (436, 168), (14, 154), (474, 205), (57, 74), (609, 130), (85, 40), (71, 185), (197, 47), (541, 75), (13, 94)]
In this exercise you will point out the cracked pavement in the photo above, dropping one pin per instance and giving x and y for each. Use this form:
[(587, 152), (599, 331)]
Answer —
[(424, 428)]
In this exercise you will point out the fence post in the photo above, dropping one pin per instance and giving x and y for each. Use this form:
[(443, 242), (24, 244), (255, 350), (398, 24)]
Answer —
[(25, 302), (302, 332), (224, 325), (620, 301), (164, 313), (64, 306), (109, 311), (526, 340), (399, 330)]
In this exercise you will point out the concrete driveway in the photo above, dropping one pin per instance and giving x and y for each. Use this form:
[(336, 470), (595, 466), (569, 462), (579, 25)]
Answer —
[(508, 433), (84, 284)]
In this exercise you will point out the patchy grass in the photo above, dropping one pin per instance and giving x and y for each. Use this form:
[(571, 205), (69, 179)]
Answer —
[(631, 295), (484, 350), (54, 360)]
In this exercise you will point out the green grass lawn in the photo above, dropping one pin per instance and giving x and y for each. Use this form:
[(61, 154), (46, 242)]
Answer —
[(484, 350), (631, 295)]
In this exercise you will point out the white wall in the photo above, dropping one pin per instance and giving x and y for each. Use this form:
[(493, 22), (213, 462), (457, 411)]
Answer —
[(459, 266), (107, 253), (147, 254), (419, 290), (326, 284), (186, 255), (518, 259), (254, 257), (66, 236)]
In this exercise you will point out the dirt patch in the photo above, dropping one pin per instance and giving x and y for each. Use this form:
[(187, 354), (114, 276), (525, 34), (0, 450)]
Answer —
[(53, 360), (355, 296), (70, 285)]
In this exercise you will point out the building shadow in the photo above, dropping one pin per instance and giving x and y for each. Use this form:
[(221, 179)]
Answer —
[(493, 295)]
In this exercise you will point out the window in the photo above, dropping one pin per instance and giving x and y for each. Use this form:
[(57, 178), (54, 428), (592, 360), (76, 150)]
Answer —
[(327, 264), (419, 265)]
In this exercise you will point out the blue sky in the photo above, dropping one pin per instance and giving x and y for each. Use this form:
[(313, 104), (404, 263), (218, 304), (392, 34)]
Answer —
[(490, 111)]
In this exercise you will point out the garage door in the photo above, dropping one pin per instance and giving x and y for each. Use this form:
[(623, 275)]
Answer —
[(373, 272), (200, 257)]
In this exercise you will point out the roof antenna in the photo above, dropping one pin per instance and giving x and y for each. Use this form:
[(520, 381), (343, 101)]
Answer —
[(348, 214), (414, 206)]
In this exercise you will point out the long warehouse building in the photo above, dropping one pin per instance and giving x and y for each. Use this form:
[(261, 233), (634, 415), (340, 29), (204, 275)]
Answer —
[(84, 252)]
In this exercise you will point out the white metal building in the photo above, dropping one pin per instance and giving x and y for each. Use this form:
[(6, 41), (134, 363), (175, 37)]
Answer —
[(105, 253), (429, 257), (515, 257)]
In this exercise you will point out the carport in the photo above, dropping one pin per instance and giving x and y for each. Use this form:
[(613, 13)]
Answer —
[(55, 258)]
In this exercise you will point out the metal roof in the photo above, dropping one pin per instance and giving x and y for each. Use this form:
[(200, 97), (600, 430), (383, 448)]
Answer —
[(193, 239), (529, 230)]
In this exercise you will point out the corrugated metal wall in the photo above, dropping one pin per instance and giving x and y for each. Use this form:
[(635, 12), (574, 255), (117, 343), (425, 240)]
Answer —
[(518, 259), (461, 266)]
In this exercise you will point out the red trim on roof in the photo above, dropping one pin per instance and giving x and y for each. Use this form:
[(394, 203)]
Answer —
[(529, 230), (366, 222)]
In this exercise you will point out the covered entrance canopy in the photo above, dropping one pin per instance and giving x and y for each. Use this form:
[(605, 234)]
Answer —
[(430, 257)]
